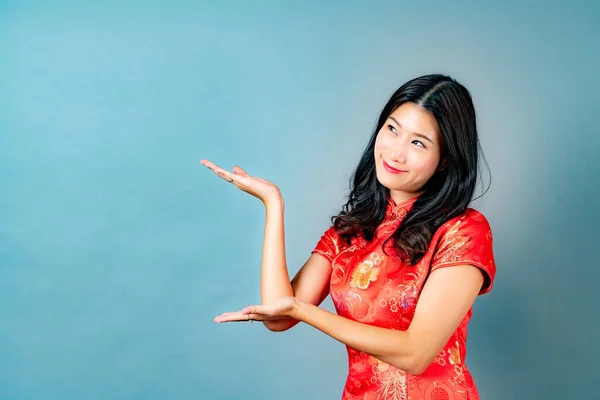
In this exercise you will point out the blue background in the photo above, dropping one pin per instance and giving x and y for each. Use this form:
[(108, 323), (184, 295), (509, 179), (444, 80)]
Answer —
[(117, 248)]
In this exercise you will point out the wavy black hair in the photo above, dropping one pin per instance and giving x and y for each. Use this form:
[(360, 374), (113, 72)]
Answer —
[(447, 193)]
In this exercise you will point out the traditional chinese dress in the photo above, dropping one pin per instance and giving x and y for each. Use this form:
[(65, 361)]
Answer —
[(371, 287)]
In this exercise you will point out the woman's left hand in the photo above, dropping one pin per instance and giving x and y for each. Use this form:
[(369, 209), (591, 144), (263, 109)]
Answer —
[(280, 309)]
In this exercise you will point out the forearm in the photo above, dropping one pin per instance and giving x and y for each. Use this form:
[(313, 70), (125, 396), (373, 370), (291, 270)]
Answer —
[(397, 348), (275, 279)]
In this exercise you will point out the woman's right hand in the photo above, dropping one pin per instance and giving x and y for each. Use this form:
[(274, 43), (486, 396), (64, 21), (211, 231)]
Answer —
[(262, 189)]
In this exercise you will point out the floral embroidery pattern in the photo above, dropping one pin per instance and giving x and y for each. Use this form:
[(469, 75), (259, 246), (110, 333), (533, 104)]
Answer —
[(409, 294), (454, 354), (391, 381), (441, 358), (345, 300), (366, 272), (454, 246)]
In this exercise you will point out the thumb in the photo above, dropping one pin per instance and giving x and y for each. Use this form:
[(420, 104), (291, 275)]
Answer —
[(240, 171)]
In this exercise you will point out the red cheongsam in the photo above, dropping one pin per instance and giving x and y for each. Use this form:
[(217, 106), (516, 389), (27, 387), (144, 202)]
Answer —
[(372, 288)]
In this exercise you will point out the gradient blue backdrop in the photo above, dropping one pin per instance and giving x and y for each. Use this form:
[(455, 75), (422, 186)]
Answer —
[(117, 248)]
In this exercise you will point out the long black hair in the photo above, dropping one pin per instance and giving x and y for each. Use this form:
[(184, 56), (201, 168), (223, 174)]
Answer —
[(447, 193)]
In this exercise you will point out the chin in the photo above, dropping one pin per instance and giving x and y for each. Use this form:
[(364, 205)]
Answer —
[(383, 182), (390, 183)]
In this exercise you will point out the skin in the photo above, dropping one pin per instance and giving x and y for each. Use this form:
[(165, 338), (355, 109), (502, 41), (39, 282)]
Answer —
[(409, 141)]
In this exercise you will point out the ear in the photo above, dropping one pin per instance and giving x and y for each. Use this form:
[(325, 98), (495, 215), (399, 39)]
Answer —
[(442, 165)]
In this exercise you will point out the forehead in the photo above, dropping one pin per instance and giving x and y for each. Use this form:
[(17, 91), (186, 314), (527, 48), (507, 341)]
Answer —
[(414, 118)]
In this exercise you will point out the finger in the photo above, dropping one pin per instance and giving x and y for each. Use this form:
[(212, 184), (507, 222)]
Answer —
[(222, 173), (259, 309), (262, 317), (208, 164), (227, 314), (248, 318), (240, 171), (239, 317), (231, 318), (212, 166)]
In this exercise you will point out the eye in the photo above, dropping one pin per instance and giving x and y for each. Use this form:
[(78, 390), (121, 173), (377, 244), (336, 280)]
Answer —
[(418, 143), (392, 129)]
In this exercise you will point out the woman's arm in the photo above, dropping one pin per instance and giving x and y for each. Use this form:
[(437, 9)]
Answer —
[(274, 277), (445, 300), (311, 284)]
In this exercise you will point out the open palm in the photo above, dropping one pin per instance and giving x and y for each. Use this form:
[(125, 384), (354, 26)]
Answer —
[(260, 188), (279, 309)]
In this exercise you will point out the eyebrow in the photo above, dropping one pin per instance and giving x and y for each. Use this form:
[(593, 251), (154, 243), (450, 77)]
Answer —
[(415, 133)]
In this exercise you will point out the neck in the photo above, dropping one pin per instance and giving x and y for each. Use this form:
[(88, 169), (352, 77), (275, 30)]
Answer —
[(401, 197)]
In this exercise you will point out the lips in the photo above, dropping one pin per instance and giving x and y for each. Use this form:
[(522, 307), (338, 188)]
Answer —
[(392, 169)]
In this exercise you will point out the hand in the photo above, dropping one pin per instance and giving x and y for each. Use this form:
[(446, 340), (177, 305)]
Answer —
[(260, 188), (281, 309)]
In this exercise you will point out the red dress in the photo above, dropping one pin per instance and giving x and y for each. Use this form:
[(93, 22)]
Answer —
[(369, 287)]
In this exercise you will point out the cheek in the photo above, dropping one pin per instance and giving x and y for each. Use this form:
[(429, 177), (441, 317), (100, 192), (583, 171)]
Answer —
[(381, 144), (425, 163)]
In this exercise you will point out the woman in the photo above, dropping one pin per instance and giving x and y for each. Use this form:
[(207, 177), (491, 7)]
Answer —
[(405, 258)]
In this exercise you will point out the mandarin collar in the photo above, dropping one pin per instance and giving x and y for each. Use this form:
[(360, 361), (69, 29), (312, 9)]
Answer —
[(396, 210)]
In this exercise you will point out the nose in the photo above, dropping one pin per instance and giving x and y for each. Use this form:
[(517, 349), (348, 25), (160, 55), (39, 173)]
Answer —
[(398, 154)]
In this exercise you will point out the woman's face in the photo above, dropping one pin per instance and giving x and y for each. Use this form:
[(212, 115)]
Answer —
[(407, 151)]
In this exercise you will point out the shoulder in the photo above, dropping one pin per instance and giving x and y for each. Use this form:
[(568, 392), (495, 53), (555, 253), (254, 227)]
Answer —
[(469, 231), (331, 233), (330, 244), (466, 239), (471, 220), (475, 215)]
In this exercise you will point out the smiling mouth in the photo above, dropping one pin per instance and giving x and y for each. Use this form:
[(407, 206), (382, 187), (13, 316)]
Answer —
[(392, 169)]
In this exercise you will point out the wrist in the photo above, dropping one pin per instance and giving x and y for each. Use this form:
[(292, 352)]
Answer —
[(275, 201), (297, 309)]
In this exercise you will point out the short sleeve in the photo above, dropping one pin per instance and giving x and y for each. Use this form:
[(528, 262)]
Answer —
[(329, 244), (467, 240)]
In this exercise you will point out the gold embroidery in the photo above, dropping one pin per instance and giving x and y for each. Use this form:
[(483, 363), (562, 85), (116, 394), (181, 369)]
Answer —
[(454, 246), (391, 380), (454, 354), (459, 376), (440, 359), (366, 272), (477, 217)]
